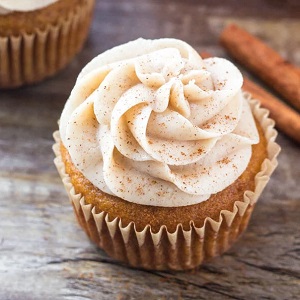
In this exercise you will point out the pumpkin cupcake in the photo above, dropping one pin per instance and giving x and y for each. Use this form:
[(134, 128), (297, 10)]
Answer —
[(38, 38), (162, 154)]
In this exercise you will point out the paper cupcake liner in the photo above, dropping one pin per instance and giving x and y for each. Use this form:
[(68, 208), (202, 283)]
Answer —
[(182, 249), (29, 58)]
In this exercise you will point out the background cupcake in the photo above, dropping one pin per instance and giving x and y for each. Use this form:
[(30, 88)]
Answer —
[(38, 38)]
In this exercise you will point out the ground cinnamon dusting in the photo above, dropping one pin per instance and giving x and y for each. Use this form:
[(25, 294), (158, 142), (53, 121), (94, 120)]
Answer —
[(224, 161)]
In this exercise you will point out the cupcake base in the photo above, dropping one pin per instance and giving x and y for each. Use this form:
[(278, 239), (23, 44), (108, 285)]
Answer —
[(182, 249)]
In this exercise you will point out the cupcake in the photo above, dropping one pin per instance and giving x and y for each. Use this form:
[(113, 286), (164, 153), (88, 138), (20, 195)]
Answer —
[(38, 38), (162, 154)]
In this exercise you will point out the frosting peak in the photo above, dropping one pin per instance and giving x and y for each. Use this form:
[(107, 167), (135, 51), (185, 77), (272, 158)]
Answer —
[(153, 123)]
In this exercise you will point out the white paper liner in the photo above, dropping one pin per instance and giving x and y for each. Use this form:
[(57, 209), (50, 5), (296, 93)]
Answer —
[(181, 249), (29, 58)]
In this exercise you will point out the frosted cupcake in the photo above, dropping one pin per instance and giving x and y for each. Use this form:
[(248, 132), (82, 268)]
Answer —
[(162, 154), (39, 37)]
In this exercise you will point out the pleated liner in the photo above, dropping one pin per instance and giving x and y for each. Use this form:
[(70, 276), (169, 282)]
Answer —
[(29, 58), (181, 249)]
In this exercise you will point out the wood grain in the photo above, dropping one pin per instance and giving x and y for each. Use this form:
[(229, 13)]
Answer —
[(43, 252)]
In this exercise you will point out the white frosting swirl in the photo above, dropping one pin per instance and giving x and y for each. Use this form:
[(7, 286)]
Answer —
[(152, 123), (7, 6)]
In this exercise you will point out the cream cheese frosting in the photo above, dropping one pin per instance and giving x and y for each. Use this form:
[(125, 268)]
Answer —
[(153, 123), (7, 6)]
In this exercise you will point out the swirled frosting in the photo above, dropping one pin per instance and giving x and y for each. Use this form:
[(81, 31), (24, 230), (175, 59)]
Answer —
[(153, 123), (7, 6)]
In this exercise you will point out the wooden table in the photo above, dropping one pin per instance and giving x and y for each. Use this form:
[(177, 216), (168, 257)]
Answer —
[(43, 252)]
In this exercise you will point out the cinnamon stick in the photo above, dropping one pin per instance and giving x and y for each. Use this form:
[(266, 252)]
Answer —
[(264, 62), (287, 120)]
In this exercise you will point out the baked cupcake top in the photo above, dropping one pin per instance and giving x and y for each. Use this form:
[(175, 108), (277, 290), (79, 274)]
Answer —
[(7, 6), (153, 123)]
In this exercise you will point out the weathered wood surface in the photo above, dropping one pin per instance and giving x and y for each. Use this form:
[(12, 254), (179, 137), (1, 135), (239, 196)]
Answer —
[(43, 252)]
